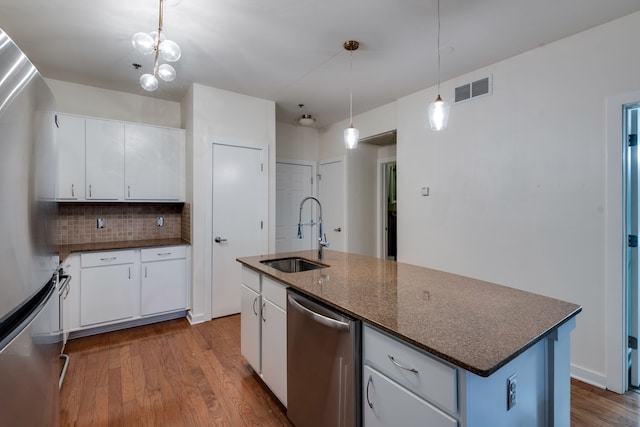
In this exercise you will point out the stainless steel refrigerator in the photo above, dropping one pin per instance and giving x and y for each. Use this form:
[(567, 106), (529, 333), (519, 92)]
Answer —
[(29, 346)]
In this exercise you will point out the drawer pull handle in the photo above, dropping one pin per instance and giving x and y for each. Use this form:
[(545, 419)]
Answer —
[(255, 300), (164, 254), (368, 384), (113, 258), (415, 371)]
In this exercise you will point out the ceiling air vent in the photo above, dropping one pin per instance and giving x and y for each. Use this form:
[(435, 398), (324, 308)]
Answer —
[(473, 90)]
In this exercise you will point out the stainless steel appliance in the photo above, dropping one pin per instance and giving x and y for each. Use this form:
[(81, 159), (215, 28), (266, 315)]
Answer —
[(323, 365), (29, 347)]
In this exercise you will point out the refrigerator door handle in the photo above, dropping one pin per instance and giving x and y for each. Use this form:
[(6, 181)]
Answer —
[(327, 321)]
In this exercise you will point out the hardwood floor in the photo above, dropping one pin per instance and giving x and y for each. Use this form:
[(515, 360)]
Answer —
[(173, 374)]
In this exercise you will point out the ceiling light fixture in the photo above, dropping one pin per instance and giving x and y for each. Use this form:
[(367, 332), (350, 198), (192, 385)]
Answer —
[(351, 134), (156, 42), (305, 119), (438, 109)]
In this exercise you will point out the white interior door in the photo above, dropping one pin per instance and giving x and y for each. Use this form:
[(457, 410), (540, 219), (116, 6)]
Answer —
[(294, 182), (239, 213), (331, 193)]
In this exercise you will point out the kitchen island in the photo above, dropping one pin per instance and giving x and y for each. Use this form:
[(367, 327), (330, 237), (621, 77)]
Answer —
[(492, 336)]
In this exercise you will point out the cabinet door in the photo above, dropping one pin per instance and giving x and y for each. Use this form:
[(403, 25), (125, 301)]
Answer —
[(250, 327), (108, 293), (385, 403), (274, 349), (104, 145), (164, 286), (69, 131), (154, 163)]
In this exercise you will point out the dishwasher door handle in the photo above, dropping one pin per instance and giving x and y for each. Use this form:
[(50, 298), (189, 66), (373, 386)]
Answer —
[(320, 318)]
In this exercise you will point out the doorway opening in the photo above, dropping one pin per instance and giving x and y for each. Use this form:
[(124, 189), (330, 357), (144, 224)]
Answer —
[(632, 211), (389, 211)]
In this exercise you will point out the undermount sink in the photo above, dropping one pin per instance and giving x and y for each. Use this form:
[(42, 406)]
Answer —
[(292, 264)]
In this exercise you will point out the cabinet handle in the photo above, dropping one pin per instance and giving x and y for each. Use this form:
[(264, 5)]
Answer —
[(73, 193), (89, 190), (113, 258), (128, 191), (129, 272), (145, 271), (368, 384), (55, 119), (164, 254), (255, 300), (415, 371), (263, 310)]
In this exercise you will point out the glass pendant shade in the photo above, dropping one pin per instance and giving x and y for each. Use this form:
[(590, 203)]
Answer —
[(351, 136), (166, 72), (149, 82), (143, 43), (170, 51), (438, 114), (154, 37)]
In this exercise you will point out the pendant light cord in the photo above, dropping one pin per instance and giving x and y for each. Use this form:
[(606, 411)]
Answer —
[(351, 91), (438, 47)]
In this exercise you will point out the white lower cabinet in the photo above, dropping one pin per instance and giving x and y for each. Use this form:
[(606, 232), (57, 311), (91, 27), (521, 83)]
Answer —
[(386, 403), (108, 287), (163, 280), (250, 307), (263, 338), (274, 349), (126, 285)]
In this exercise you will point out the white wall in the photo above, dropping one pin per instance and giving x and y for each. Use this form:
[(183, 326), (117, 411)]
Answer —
[(297, 142), (214, 115), (518, 178), (73, 98)]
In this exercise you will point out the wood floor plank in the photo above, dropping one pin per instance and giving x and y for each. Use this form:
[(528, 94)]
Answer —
[(173, 374)]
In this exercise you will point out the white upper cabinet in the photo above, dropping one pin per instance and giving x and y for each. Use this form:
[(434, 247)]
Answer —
[(154, 163), (109, 160), (69, 133), (104, 145)]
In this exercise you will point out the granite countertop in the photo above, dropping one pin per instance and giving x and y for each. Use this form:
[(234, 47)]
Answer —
[(65, 250), (476, 325)]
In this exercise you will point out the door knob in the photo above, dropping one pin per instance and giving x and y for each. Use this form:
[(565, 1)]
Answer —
[(220, 240), (337, 230)]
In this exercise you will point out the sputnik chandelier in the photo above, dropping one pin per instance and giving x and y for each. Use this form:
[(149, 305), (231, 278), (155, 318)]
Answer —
[(155, 42)]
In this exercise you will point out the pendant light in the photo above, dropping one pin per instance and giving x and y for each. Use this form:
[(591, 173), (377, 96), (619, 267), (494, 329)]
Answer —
[(351, 134), (156, 42), (438, 109)]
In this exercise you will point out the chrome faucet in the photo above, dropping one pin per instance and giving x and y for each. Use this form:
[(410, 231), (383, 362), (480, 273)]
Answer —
[(322, 238)]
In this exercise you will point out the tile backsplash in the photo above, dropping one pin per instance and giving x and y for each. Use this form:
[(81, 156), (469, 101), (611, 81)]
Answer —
[(77, 222)]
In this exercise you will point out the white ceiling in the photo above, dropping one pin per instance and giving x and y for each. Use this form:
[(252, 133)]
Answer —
[(290, 51)]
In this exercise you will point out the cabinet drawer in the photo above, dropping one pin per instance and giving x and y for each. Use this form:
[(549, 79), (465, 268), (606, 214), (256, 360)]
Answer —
[(163, 253), (99, 259), (385, 403), (251, 279), (419, 372), (275, 292)]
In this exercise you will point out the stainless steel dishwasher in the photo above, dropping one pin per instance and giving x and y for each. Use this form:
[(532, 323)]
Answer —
[(323, 365)]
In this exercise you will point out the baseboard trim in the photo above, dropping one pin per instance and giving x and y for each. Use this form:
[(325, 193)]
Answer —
[(588, 376), (197, 318)]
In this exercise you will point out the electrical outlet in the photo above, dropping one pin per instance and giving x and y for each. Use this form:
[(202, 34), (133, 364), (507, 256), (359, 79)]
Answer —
[(512, 398), (160, 221), (100, 223)]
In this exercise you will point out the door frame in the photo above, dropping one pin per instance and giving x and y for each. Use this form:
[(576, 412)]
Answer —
[(381, 203), (208, 226), (615, 243)]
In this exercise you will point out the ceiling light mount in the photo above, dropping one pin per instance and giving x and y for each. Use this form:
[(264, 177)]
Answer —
[(351, 134), (156, 42), (305, 119)]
